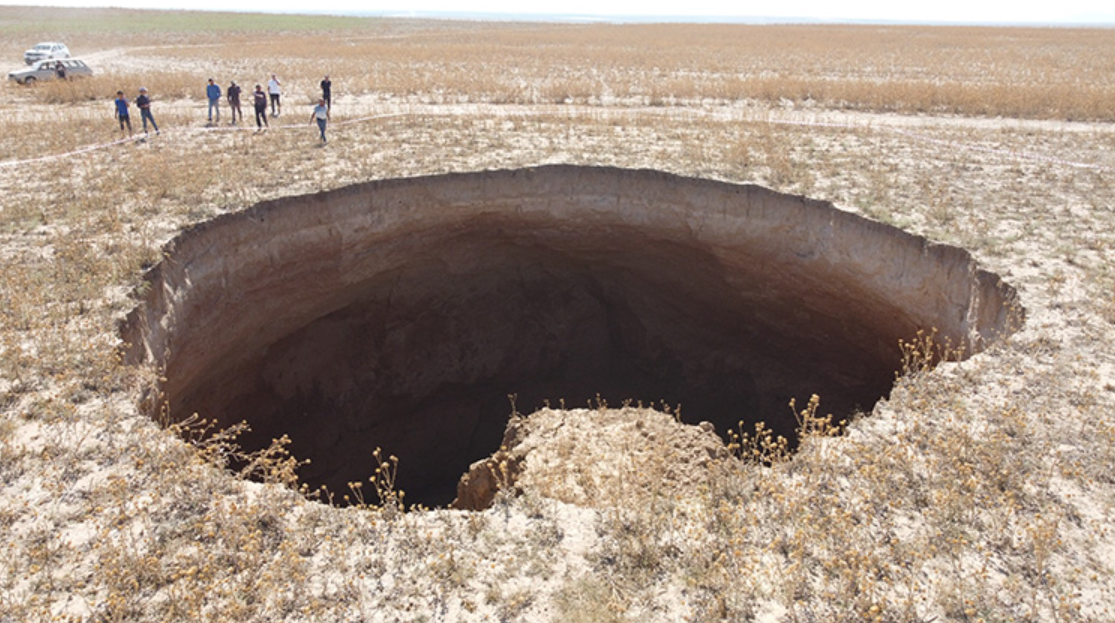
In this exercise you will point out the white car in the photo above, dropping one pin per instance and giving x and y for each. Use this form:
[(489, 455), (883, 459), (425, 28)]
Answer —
[(46, 50), (48, 70)]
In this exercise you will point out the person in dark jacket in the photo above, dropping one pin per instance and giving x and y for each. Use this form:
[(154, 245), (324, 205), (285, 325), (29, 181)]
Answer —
[(233, 92), (327, 92), (260, 100), (143, 102)]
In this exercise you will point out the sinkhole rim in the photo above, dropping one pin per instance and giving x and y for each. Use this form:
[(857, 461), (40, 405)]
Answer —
[(226, 280)]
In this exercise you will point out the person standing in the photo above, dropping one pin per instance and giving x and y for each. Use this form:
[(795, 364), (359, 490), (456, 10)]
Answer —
[(234, 101), (273, 89), (321, 115), (213, 92), (122, 112), (144, 104), (60, 70), (327, 92), (260, 99)]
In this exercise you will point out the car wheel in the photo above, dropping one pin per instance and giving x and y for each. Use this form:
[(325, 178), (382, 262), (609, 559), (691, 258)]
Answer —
[(29, 80)]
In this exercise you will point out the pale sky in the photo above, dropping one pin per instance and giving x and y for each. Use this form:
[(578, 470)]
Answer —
[(1045, 11)]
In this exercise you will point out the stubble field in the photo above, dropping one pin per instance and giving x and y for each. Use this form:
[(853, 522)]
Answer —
[(980, 490)]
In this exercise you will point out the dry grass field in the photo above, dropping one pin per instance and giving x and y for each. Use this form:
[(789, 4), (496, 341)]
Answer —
[(979, 491)]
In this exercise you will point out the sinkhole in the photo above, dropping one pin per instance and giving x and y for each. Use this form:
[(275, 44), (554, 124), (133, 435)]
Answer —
[(402, 313)]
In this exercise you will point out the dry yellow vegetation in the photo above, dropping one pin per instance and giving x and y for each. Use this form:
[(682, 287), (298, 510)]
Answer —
[(980, 491)]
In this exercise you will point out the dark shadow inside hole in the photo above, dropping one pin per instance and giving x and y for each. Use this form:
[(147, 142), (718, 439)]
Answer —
[(421, 362)]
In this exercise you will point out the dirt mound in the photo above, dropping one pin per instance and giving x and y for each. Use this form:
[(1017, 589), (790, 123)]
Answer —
[(593, 457)]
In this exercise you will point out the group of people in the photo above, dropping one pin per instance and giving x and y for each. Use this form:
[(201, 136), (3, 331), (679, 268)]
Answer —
[(143, 103), (260, 100)]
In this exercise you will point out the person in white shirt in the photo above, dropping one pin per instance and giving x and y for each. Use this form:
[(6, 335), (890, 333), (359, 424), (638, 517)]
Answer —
[(273, 90), (321, 115)]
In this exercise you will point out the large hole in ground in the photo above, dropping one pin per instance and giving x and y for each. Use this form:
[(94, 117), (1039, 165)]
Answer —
[(401, 314)]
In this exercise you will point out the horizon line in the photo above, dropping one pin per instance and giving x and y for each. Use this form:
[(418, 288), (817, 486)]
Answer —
[(1101, 21)]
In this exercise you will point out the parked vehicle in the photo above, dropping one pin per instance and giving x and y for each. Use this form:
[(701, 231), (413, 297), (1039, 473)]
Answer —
[(47, 70), (45, 50)]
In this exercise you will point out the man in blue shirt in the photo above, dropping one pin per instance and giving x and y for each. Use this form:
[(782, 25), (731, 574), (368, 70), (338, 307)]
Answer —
[(122, 112), (213, 92)]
